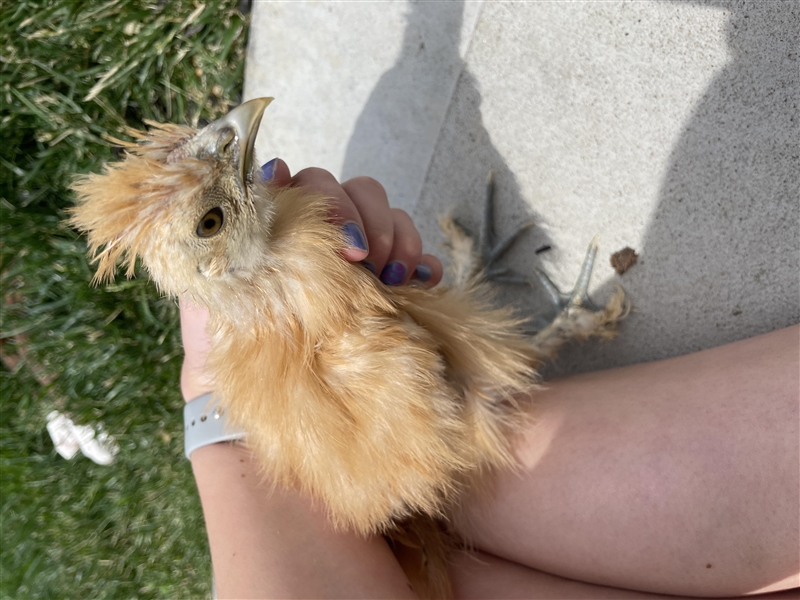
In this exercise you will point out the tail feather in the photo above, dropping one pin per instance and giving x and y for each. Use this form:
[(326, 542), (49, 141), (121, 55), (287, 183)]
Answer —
[(422, 545)]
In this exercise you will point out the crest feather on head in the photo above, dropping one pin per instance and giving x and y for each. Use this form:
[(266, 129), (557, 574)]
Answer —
[(119, 208)]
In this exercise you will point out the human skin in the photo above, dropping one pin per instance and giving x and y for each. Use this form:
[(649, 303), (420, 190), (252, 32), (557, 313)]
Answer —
[(677, 476), (477, 576), (268, 542), (632, 478)]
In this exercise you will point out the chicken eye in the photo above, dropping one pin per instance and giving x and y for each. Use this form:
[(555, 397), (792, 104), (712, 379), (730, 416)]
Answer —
[(210, 223)]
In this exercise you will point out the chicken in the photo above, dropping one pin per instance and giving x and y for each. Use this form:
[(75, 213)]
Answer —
[(383, 403)]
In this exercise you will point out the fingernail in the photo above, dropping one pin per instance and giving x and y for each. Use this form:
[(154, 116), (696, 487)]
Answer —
[(268, 168), (355, 237), (423, 273), (393, 273), (369, 267)]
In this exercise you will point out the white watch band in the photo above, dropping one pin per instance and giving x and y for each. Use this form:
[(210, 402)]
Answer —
[(204, 424)]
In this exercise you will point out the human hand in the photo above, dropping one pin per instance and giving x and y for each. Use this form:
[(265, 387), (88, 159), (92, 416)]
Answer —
[(384, 240), (392, 247)]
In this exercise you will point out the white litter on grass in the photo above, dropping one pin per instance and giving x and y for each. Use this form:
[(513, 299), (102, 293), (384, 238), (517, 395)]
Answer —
[(69, 439)]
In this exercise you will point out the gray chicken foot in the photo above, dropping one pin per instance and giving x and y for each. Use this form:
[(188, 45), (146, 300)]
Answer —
[(577, 315)]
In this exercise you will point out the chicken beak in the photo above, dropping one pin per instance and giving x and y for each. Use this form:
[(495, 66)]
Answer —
[(240, 126), (244, 120)]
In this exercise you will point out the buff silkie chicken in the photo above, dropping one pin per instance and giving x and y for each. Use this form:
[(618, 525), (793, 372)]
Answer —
[(383, 403)]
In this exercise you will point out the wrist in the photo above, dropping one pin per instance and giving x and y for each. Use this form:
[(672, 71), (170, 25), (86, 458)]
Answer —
[(225, 455), (194, 383)]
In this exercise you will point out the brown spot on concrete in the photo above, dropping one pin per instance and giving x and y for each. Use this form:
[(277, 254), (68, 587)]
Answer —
[(624, 259)]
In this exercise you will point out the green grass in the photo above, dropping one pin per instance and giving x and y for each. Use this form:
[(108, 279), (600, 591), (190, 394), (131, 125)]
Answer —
[(71, 73)]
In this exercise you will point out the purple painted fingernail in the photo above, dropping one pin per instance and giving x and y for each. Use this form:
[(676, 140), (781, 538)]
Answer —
[(355, 237), (394, 273), (423, 273), (268, 168)]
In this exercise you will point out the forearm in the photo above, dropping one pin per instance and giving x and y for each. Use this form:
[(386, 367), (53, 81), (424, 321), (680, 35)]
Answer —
[(678, 476), (478, 576), (270, 543)]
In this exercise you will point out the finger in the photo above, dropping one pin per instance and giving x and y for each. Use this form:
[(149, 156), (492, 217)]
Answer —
[(342, 211), (276, 172), (370, 199), (406, 250), (429, 271)]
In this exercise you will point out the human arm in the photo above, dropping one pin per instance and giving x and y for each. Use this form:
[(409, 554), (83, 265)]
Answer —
[(268, 542), (677, 476)]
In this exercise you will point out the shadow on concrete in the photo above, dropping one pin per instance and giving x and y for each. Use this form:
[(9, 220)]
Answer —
[(404, 109), (723, 242), (398, 114)]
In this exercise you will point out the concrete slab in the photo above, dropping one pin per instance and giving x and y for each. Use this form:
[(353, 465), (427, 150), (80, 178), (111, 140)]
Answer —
[(670, 127), (360, 88)]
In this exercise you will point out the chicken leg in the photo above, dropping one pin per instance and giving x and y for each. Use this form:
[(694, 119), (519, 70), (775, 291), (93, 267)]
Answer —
[(577, 316)]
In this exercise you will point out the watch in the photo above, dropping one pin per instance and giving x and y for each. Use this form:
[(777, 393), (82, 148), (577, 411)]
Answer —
[(204, 423)]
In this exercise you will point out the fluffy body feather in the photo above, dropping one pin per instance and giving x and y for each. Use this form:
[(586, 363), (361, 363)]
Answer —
[(380, 402)]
